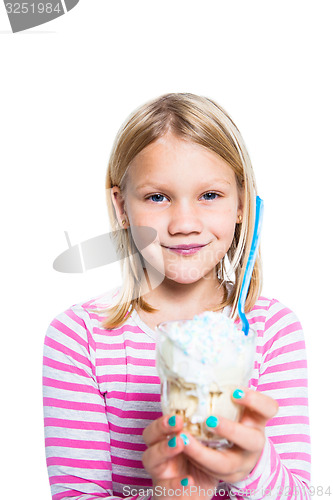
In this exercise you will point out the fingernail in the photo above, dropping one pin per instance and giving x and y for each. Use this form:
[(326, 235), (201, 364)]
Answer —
[(172, 443), (212, 421), (185, 440), (238, 394), (184, 482), (172, 421)]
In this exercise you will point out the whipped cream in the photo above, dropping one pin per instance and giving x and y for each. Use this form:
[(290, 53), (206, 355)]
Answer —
[(209, 348)]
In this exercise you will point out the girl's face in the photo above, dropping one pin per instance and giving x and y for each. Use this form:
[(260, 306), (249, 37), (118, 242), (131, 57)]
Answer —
[(190, 197)]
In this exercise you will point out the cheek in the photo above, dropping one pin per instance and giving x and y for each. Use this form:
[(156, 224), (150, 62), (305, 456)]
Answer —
[(224, 223), (153, 254), (230, 232), (225, 236), (144, 236), (141, 216)]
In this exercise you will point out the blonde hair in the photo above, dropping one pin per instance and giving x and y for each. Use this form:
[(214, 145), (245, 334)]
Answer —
[(202, 121)]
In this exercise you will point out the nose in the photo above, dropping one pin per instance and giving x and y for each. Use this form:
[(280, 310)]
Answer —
[(185, 219)]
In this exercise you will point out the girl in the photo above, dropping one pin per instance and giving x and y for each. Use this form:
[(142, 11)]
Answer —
[(179, 166)]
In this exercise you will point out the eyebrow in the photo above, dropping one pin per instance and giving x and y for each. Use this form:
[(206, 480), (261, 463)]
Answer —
[(164, 186)]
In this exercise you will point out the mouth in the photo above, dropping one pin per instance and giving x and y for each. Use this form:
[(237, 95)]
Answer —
[(186, 249)]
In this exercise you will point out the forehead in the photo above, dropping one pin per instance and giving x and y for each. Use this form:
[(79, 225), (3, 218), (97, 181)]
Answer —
[(178, 160)]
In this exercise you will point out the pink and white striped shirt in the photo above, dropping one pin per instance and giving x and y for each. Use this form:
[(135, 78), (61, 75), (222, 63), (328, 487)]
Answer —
[(101, 389)]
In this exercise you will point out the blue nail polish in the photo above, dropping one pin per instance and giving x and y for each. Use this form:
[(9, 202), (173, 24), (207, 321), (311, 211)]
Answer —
[(238, 394), (172, 443), (172, 421), (185, 439), (184, 482), (212, 421)]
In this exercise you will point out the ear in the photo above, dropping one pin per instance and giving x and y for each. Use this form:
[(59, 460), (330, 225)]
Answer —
[(118, 202)]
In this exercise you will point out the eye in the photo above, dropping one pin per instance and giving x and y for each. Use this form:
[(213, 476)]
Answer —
[(210, 195), (158, 196)]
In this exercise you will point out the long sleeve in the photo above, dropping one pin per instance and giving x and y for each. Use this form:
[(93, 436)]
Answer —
[(283, 470), (101, 390), (77, 434)]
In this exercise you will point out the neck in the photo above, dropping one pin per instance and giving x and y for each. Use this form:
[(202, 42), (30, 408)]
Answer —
[(185, 299)]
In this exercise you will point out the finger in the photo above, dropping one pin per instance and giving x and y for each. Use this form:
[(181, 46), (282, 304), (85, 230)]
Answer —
[(249, 438), (261, 405), (215, 463), (162, 427), (229, 465), (157, 459)]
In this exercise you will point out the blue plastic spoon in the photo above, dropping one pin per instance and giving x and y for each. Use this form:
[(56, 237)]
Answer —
[(250, 264)]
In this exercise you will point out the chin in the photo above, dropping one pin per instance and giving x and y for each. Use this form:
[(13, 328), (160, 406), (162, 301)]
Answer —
[(183, 278)]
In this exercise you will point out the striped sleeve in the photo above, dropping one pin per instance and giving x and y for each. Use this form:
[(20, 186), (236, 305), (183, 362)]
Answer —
[(77, 435), (283, 470)]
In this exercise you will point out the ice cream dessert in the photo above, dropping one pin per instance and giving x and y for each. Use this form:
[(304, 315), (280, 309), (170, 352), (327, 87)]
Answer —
[(200, 363)]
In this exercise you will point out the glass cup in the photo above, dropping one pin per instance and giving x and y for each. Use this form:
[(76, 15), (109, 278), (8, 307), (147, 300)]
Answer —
[(196, 386)]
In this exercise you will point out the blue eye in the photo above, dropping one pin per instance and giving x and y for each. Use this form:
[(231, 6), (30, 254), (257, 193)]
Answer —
[(156, 196), (210, 193)]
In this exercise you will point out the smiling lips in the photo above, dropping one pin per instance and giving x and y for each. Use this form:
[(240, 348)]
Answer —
[(186, 249)]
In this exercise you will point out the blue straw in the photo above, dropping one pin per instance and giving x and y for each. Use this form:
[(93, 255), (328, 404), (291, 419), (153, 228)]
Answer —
[(250, 264)]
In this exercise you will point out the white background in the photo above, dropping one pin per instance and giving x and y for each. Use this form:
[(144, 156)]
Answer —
[(65, 89)]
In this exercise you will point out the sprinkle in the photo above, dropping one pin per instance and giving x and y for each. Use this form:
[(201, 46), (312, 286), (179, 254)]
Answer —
[(206, 336)]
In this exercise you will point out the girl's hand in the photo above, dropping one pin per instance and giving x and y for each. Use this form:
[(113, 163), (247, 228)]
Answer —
[(169, 460), (236, 463), (165, 461)]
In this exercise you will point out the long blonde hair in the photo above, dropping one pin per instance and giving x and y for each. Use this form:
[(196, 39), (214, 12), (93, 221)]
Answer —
[(202, 121)]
